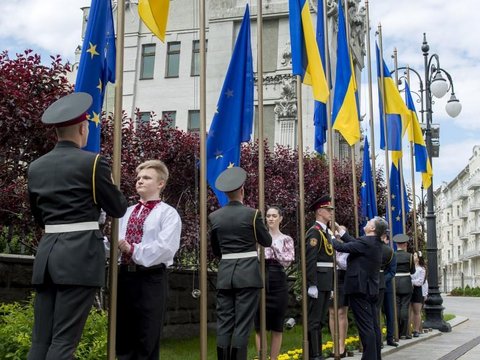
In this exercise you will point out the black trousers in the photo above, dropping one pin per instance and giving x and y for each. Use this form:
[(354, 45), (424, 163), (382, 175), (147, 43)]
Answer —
[(364, 310), (317, 318), (140, 313), (403, 304), (60, 315), (235, 313)]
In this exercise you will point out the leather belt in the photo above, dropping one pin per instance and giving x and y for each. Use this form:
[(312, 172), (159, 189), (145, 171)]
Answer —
[(324, 264), (139, 268), (64, 228), (241, 255), (402, 274)]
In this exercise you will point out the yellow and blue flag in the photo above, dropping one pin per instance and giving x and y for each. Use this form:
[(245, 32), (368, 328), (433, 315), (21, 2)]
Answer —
[(154, 14), (397, 114), (367, 191), (422, 160), (305, 55), (396, 225), (232, 123), (345, 111), (97, 65), (320, 108)]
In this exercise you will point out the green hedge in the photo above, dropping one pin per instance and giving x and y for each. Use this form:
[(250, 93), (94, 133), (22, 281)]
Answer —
[(467, 291), (16, 322)]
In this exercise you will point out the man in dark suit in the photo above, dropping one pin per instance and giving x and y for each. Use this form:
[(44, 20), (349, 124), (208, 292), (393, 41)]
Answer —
[(319, 264), (235, 231), (403, 283), (361, 282), (67, 188)]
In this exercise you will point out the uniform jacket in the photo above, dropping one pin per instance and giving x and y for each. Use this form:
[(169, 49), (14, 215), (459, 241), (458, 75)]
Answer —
[(321, 277), (236, 228), (389, 273), (61, 191), (387, 256), (363, 265), (405, 264)]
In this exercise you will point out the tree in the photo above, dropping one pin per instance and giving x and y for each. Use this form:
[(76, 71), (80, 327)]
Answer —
[(27, 88)]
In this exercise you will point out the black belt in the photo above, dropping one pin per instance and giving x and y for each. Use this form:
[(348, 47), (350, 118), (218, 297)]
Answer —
[(131, 268)]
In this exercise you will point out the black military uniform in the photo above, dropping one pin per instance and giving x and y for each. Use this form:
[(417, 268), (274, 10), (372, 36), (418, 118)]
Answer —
[(319, 264), (67, 188), (235, 231), (403, 284), (385, 270)]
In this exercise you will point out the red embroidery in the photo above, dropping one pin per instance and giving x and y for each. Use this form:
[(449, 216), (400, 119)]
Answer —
[(134, 231)]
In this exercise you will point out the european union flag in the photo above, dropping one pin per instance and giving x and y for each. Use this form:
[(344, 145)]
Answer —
[(320, 109), (396, 194), (345, 113), (232, 123), (97, 64), (367, 193)]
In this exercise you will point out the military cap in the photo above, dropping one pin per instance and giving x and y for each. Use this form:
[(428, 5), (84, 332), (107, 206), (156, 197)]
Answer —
[(324, 202), (231, 179), (400, 238), (68, 110)]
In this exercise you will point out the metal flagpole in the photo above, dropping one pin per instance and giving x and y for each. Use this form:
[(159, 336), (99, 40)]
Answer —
[(370, 103), (261, 176), (400, 161), (336, 335), (387, 163), (203, 185), (117, 145)]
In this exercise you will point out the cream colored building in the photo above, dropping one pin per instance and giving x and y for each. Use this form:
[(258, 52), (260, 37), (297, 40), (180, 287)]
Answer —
[(458, 227), (162, 78)]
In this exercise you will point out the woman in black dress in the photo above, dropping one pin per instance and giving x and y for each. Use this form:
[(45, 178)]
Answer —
[(277, 257)]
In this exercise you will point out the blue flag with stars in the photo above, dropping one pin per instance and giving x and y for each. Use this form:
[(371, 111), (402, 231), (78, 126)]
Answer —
[(97, 65), (232, 123), (367, 193), (395, 190)]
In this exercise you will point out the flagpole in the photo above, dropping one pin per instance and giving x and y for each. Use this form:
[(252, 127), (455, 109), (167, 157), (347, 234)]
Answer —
[(352, 148), (336, 332), (370, 103), (414, 202), (203, 185), (387, 163), (400, 161), (261, 176), (117, 144)]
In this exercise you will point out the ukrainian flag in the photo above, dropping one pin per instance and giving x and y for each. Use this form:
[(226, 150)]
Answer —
[(345, 112), (154, 14), (422, 161), (305, 56)]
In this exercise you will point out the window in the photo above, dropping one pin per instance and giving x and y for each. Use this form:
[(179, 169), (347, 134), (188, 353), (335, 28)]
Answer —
[(458, 210), (195, 68), (448, 217), (169, 117), (449, 254), (448, 235), (148, 61), (144, 117), (194, 121), (173, 59), (458, 250), (458, 230)]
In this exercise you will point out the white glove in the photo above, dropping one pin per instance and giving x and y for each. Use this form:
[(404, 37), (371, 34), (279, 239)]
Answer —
[(313, 292)]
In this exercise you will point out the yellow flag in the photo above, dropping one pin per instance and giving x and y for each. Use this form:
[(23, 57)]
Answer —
[(154, 14)]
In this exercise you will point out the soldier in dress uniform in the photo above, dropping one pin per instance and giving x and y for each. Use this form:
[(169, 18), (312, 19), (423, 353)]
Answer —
[(68, 187), (319, 263), (235, 231), (403, 283)]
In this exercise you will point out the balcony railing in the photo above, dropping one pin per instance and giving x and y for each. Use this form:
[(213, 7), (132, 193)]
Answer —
[(474, 183)]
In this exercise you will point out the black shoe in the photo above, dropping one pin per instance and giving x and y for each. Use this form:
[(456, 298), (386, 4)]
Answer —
[(408, 337), (344, 354), (392, 343), (416, 334)]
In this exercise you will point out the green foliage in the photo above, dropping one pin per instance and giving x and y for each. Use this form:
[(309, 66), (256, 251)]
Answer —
[(16, 321), (467, 291)]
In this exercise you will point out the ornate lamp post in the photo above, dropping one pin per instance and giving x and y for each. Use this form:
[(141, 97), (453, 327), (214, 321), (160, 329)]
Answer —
[(436, 85)]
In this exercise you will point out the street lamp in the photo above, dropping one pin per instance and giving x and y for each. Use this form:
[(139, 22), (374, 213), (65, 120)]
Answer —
[(436, 85)]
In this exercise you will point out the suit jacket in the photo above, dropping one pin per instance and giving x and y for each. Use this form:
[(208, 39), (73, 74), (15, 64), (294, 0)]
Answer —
[(61, 191), (389, 273), (387, 256), (363, 264), (236, 228), (405, 265), (321, 277)]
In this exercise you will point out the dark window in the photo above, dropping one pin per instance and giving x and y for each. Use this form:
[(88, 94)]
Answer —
[(193, 120), (148, 61), (169, 117), (173, 59), (195, 68)]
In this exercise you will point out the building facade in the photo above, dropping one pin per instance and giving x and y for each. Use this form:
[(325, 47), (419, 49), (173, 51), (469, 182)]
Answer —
[(458, 227), (161, 80)]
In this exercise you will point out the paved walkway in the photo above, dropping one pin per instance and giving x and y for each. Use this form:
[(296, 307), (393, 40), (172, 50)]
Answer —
[(462, 343)]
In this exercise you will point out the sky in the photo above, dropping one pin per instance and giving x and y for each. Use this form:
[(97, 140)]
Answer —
[(51, 27)]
